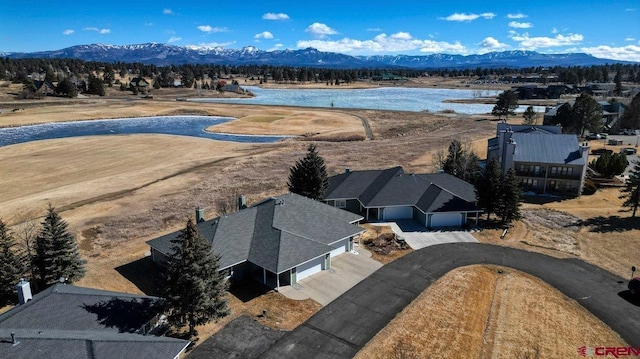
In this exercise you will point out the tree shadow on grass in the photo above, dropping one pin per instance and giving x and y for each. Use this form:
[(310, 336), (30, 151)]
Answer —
[(610, 224), (127, 315), (144, 274)]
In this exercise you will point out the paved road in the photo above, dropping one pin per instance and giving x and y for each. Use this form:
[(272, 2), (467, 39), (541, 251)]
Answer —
[(343, 327)]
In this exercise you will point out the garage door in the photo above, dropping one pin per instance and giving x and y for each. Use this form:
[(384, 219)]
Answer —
[(342, 247), (309, 268), (398, 213), (446, 220)]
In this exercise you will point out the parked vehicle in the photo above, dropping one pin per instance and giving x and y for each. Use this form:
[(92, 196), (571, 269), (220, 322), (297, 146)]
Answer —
[(629, 132), (628, 151), (601, 151), (603, 135), (634, 286), (593, 136)]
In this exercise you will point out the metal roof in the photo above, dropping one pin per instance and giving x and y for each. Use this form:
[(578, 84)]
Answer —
[(544, 148)]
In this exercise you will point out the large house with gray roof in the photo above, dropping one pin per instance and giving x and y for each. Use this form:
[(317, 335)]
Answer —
[(66, 321), (545, 160), (278, 241), (434, 199)]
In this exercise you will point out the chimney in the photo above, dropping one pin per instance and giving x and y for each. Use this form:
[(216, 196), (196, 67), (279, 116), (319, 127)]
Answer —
[(24, 291), (199, 215), (242, 202), (14, 341), (347, 170)]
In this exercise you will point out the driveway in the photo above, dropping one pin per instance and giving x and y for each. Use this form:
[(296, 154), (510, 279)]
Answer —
[(343, 327), (418, 237), (347, 270)]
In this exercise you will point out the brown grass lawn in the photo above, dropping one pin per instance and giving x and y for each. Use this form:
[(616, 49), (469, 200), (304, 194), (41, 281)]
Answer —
[(475, 312), (372, 232), (593, 228)]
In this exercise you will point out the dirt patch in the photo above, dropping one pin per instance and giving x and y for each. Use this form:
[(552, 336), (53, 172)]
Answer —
[(382, 242), (513, 315)]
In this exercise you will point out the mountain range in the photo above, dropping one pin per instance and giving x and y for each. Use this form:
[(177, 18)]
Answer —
[(163, 54)]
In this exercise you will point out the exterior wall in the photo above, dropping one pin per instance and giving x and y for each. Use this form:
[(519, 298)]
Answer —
[(419, 216), (542, 178), (158, 257)]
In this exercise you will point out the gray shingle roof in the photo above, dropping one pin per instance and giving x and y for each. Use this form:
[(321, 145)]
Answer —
[(66, 321), (432, 192), (277, 234), (543, 148)]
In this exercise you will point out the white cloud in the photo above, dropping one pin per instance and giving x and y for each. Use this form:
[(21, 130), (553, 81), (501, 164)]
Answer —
[(99, 31), (264, 35), (532, 43), (174, 39), (401, 41), (274, 16), (167, 12), (520, 25), (208, 29), (320, 30), (68, 32), (276, 47), (468, 17), (629, 39), (491, 44), (517, 16), (374, 29), (554, 31), (624, 53)]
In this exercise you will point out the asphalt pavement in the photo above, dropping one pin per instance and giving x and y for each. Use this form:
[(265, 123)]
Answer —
[(343, 327)]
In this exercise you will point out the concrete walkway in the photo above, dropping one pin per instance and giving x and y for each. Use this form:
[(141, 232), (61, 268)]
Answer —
[(347, 270), (418, 237), (343, 327)]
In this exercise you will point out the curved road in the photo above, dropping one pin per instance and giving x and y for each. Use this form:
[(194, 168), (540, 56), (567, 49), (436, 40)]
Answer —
[(344, 326)]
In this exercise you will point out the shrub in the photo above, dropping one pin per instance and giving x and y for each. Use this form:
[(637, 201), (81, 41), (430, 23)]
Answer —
[(589, 187)]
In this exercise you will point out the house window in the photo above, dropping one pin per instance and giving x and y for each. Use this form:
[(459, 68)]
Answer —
[(341, 204)]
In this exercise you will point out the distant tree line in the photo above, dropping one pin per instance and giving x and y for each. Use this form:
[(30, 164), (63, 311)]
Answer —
[(21, 70)]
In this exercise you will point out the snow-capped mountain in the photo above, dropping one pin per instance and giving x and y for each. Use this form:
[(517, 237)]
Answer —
[(163, 54)]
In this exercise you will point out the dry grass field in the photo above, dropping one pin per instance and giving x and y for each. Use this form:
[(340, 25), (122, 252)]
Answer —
[(476, 312)]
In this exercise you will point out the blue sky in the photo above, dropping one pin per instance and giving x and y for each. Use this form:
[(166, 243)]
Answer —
[(607, 29)]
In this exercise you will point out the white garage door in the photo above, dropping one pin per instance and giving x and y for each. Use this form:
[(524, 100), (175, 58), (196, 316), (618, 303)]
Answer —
[(398, 213), (446, 220), (309, 268), (342, 247)]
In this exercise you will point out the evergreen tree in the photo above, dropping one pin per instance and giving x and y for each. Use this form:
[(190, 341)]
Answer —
[(609, 164), (618, 81), (460, 162), (56, 252), (631, 191), (510, 196), (506, 104), (309, 176), (587, 114), (195, 288), (95, 86), (631, 117), (11, 266), (67, 88), (488, 186), (530, 116)]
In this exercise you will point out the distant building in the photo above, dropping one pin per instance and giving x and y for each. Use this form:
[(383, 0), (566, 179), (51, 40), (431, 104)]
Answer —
[(45, 88), (545, 160), (611, 114), (139, 84)]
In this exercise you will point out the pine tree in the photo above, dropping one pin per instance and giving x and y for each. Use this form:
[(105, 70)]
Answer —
[(530, 116), (506, 104), (461, 161), (56, 252), (11, 266), (195, 288), (587, 114), (631, 191), (510, 196), (488, 186), (309, 176)]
